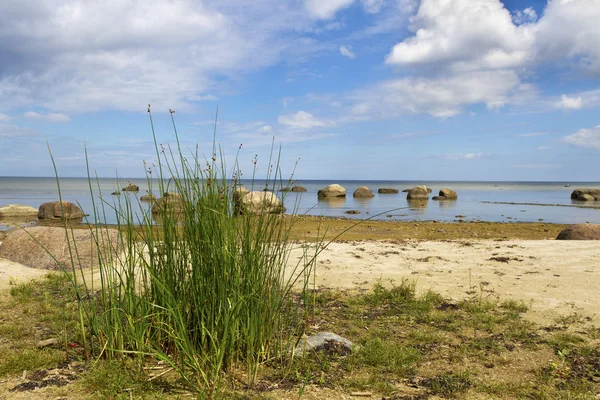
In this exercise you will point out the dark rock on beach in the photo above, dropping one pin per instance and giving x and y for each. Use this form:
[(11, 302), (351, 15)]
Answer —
[(334, 190), (580, 232), (586, 194), (363, 191), (387, 191), (59, 210)]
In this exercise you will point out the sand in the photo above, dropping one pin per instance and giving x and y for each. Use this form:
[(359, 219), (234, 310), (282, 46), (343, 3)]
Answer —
[(554, 278)]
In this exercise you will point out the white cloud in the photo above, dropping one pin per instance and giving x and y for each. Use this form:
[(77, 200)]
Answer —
[(525, 16), (347, 52), (265, 129), (326, 9), (443, 97), (372, 6), (4, 117), (461, 156), (302, 120), (542, 148), (570, 103), (585, 138), (464, 35), (50, 117)]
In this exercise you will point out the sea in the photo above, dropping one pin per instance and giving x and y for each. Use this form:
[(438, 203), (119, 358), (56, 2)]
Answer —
[(509, 202)]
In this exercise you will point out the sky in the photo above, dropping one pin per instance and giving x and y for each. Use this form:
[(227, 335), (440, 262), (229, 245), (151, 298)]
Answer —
[(341, 89)]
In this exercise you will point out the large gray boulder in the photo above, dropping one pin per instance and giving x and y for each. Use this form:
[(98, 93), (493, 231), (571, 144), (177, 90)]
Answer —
[(261, 203), (59, 210), (418, 193), (334, 190), (36, 246), (363, 191), (586, 194), (17, 211), (580, 232)]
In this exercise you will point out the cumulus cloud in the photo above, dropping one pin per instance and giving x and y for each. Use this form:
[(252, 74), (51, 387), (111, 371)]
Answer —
[(169, 54), (302, 120), (347, 52), (326, 9), (463, 35), (4, 117), (50, 117), (525, 16), (585, 138), (570, 103), (372, 6)]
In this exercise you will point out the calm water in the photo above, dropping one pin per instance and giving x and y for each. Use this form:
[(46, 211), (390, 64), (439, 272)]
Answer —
[(471, 202)]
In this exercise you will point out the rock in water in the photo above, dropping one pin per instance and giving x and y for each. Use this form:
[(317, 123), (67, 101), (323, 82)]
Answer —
[(261, 203), (580, 232), (34, 246), (334, 190), (171, 202), (446, 194), (298, 189), (363, 191), (59, 210), (418, 193), (131, 188), (586, 194), (387, 191)]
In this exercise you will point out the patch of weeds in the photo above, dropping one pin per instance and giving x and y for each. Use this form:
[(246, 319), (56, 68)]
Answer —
[(388, 356), (449, 384), (16, 361), (562, 341)]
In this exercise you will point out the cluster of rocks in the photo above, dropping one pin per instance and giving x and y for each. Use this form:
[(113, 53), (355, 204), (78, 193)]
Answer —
[(54, 210), (415, 193), (586, 195)]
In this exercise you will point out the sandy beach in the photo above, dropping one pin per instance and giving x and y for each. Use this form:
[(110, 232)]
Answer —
[(554, 278)]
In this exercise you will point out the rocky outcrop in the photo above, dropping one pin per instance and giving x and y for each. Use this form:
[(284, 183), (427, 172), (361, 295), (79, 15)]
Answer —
[(59, 210), (131, 188), (418, 193), (17, 211), (298, 189), (387, 191), (171, 202), (446, 194), (363, 191), (334, 190), (261, 203), (586, 194), (36, 246), (580, 232)]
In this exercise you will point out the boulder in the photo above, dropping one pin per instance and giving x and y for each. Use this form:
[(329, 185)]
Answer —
[(438, 198), (261, 203), (334, 190), (586, 194), (148, 197), (448, 194), (131, 188), (387, 191), (363, 191), (17, 210), (324, 341), (36, 246), (58, 210), (285, 189), (418, 193), (580, 232), (298, 189), (429, 190), (352, 212), (171, 202), (117, 193)]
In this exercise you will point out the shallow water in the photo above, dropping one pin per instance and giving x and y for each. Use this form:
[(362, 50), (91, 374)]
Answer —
[(472, 201)]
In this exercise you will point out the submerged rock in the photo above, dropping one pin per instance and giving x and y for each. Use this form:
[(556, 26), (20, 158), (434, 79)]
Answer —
[(363, 191), (131, 188), (418, 193), (298, 189), (387, 191)]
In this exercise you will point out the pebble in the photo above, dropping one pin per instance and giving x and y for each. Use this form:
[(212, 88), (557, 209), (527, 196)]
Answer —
[(47, 343)]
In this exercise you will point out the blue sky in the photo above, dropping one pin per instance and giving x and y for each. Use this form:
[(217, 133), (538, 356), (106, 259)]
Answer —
[(354, 89)]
